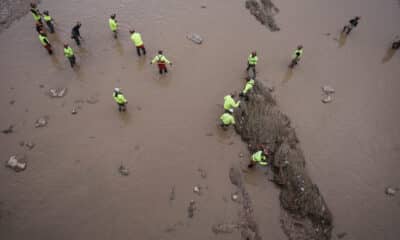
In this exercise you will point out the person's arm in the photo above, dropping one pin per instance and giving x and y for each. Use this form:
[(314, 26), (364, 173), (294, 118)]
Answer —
[(166, 61), (154, 60), (235, 104)]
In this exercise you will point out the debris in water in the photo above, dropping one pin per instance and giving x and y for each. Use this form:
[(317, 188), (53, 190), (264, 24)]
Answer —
[(241, 155), (327, 95), (235, 197), (224, 228), (202, 172), (391, 191), (327, 99), (203, 6), (16, 164), (196, 189), (191, 208), (341, 235), (74, 111), (8, 130), (172, 194), (209, 134), (59, 92), (92, 100), (328, 89), (124, 171), (195, 38), (30, 145), (12, 102), (41, 122)]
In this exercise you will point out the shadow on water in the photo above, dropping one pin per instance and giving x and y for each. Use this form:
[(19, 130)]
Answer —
[(56, 62), (142, 62), (342, 39), (119, 47), (125, 116), (78, 72), (389, 54), (288, 75)]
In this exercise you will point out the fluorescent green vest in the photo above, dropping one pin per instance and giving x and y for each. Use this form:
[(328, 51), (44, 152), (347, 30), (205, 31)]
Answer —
[(68, 52), (113, 24), (137, 39), (227, 119), (229, 103), (249, 86), (119, 98), (259, 158), (252, 60), (42, 40)]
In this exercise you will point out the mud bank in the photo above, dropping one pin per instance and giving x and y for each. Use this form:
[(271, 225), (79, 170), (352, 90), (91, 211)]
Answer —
[(259, 121), (264, 11), (11, 10)]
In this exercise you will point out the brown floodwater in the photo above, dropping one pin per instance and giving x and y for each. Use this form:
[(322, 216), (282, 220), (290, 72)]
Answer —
[(72, 188)]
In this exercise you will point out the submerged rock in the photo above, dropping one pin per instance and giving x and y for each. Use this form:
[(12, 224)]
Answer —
[(327, 99), (41, 122), (124, 171), (390, 191), (202, 172), (16, 164), (195, 38), (8, 130), (59, 92)]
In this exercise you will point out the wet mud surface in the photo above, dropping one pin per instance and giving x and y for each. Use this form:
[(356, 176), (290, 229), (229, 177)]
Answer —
[(94, 173), (264, 11), (261, 123)]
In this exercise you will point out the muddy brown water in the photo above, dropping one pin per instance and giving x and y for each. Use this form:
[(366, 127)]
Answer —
[(72, 188)]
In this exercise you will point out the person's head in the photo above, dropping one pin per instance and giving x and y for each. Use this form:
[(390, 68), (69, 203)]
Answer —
[(33, 5), (113, 16), (132, 31), (358, 18), (300, 47), (78, 23), (45, 12), (117, 90), (65, 45), (254, 53), (232, 95), (42, 33), (160, 52)]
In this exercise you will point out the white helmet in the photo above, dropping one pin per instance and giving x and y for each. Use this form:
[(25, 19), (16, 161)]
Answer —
[(117, 90)]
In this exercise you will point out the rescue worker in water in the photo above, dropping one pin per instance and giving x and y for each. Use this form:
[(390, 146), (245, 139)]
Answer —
[(162, 62), (120, 100)]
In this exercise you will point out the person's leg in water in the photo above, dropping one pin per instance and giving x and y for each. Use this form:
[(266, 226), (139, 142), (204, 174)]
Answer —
[(138, 51), (50, 26), (48, 48), (72, 61), (77, 40), (121, 107), (143, 50), (294, 62), (115, 34), (396, 45)]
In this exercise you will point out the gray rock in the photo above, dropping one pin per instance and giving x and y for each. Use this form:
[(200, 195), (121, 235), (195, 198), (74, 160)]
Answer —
[(391, 191), (327, 99), (124, 171), (195, 38), (16, 164), (74, 111), (30, 145), (57, 93)]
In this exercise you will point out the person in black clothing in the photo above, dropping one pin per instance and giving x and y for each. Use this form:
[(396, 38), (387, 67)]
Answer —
[(36, 13), (75, 34), (352, 24), (49, 21), (39, 27)]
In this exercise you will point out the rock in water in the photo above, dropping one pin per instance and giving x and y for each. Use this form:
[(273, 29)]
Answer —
[(15, 164), (327, 99), (124, 171), (328, 89), (195, 38), (390, 191), (191, 208), (57, 92), (41, 122), (196, 189)]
